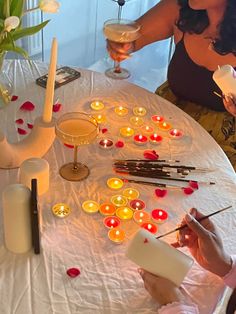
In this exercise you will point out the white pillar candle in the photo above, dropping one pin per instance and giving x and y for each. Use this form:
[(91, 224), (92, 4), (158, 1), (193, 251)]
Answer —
[(225, 78), (158, 257), (16, 218), (48, 104), (35, 168)]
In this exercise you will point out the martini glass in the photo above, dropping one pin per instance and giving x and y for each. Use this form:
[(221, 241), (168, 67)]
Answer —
[(76, 128), (120, 31)]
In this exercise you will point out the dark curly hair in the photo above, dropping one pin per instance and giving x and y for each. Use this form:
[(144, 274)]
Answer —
[(196, 21)]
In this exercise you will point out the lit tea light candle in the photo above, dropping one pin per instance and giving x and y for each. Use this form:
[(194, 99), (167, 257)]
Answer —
[(116, 235), (131, 193), (155, 138), (137, 204), (164, 126), (126, 131), (159, 215), (90, 207), (107, 209), (157, 119), (136, 121), (139, 111), (97, 105), (61, 210), (149, 227), (121, 111), (140, 139), (119, 200), (111, 222), (146, 129), (176, 134), (124, 213), (99, 118), (115, 183), (106, 143), (141, 217)]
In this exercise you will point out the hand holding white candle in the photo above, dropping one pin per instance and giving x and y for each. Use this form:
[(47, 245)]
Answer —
[(225, 78), (48, 104)]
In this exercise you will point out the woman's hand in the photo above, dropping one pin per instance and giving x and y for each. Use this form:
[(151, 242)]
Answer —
[(118, 51), (230, 104), (162, 290), (204, 243)]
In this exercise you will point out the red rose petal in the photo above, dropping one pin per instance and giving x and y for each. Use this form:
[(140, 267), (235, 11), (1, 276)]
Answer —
[(27, 106), (56, 107), (73, 272), (21, 131), (14, 98), (160, 192), (150, 154), (119, 144), (193, 185), (104, 130), (30, 126), (19, 121), (69, 146), (145, 241), (188, 191)]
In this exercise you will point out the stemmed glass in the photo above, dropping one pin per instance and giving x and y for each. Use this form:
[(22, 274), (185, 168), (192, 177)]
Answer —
[(120, 31), (76, 128)]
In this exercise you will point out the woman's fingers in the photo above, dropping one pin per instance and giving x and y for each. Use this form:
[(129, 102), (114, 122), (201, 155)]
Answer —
[(230, 104)]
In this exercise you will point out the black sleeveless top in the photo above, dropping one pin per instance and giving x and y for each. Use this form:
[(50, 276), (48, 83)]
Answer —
[(192, 82)]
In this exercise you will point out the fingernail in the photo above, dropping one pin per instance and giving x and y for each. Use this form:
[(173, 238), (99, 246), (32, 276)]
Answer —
[(227, 98), (193, 211), (189, 218), (140, 271)]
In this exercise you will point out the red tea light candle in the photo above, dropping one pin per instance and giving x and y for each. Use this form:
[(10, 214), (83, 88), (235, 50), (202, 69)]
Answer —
[(61, 210), (97, 105), (121, 111), (107, 209), (119, 200), (116, 235), (141, 217), (139, 111), (146, 129), (111, 222), (157, 119), (126, 131), (131, 193), (100, 118), (155, 139), (164, 126), (115, 183), (90, 207), (140, 139), (159, 215), (136, 121), (106, 143), (137, 204), (149, 227), (176, 134), (124, 213)]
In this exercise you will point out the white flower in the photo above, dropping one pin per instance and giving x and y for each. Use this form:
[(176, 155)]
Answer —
[(49, 6), (11, 22)]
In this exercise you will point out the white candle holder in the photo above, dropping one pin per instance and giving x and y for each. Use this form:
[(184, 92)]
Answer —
[(36, 144)]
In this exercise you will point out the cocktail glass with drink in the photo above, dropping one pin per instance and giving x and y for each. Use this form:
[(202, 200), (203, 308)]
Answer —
[(120, 31), (76, 128)]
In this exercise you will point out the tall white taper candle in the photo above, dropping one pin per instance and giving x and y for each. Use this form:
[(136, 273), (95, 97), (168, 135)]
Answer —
[(47, 111)]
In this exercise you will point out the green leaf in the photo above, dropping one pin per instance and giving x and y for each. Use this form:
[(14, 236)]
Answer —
[(17, 7), (19, 33), (17, 49)]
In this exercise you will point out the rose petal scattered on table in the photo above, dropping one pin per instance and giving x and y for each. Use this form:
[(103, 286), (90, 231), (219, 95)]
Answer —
[(188, 191), (73, 272), (193, 185), (19, 121), (104, 130), (27, 106), (150, 154), (30, 126), (14, 98), (21, 131), (56, 107), (145, 240), (69, 146), (119, 144), (160, 192)]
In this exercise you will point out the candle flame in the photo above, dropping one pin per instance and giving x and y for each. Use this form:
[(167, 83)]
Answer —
[(112, 221), (117, 233), (107, 207), (141, 214), (120, 107), (149, 226), (140, 137)]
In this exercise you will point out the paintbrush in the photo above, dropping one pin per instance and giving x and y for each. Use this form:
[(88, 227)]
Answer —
[(199, 220), (156, 184), (145, 160)]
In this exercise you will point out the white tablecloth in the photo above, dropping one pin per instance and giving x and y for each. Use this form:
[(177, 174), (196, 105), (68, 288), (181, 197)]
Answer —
[(109, 283)]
